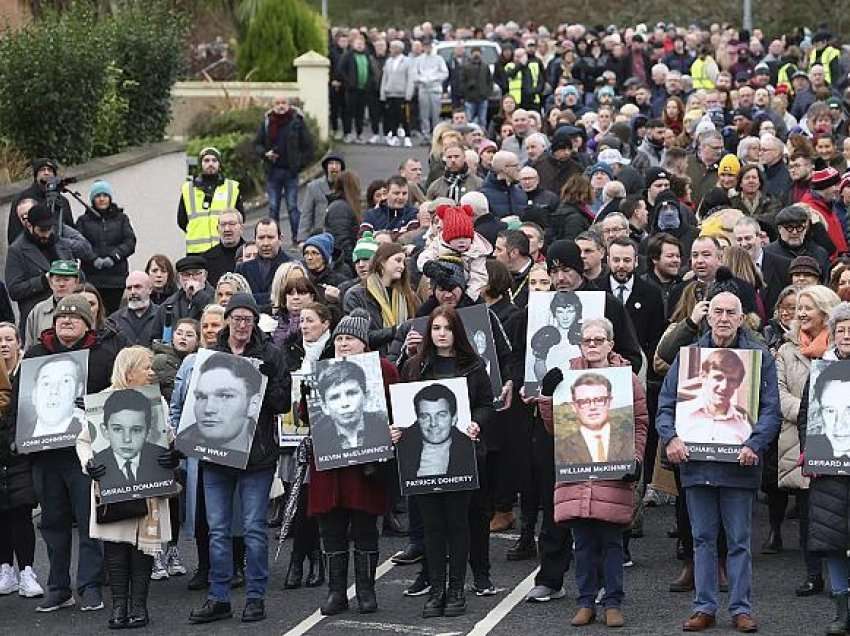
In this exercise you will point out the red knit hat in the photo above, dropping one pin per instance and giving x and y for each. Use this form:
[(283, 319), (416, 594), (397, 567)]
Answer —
[(822, 179), (457, 222)]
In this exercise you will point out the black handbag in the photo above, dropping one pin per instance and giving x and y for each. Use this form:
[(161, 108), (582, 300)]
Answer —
[(121, 510)]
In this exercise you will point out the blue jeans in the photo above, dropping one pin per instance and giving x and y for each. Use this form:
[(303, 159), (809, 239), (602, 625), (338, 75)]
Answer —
[(707, 506), (283, 180), (838, 566), (598, 547), (65, 493), (220, 484), (476, 112)]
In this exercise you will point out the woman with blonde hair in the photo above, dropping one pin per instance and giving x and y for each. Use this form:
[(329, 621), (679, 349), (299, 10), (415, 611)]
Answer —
[(739, 262), (285, 272), (129, 545), (230, 283), (809, 339)]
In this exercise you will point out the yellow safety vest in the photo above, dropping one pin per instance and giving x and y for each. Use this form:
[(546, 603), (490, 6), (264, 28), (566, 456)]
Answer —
[(829, 54), (202, 229), (535, 73), (784, 76), (514, 83), (699, 76)]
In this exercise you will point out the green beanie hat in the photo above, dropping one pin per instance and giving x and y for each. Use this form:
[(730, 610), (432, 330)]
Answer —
[(366, 247)]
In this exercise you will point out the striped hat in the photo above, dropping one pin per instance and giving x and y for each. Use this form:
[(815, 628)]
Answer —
[(825, 178), (365, 247)]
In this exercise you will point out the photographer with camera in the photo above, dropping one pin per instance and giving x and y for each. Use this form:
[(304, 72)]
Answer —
[(46, 188), (203, 199)]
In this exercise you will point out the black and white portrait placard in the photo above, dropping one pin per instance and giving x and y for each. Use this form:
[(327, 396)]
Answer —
[(718, 400), (479, 330), (129, 432), (51, 387), (434, 453), (222, 406), (349, 423), (594, 424), (291, 429), (827, 449), (554, 330)]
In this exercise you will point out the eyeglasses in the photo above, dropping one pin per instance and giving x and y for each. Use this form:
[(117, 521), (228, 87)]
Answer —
[(195, 273), (796, 228), (596, 342), (597, 401), (242, 320)]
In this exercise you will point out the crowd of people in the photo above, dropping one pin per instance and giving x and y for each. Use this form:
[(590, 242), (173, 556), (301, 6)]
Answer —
[(697, 177)]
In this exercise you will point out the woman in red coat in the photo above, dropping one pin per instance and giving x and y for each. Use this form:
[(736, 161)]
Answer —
[(348, 501), (597, 511)]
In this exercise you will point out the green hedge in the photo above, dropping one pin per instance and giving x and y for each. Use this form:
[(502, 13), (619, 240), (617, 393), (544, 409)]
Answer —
[(75, 85), (279, 32), (233, 133)]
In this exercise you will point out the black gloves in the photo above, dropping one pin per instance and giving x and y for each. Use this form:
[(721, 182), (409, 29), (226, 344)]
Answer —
[(545, 338), (268, 369), (634, 475), (95, 471), (169, 458), (551, 381)]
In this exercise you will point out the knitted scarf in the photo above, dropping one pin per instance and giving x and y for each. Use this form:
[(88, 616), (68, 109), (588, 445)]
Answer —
[(455, 181), (393, 309), (814, 348)]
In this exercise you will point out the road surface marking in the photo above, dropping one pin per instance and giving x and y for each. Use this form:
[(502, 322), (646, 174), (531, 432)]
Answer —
[(394, 628), (316, 617), (495, 615)]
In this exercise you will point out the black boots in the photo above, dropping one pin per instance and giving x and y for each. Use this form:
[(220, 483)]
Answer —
[(337, 601), (140, 579), (238, 579), (773, 545), (119, 583), (455, 599), (276, 508), (812, 586), (838, 626), (436, 604), (295, 572), (365, 564), (524, 548), (316, 574)]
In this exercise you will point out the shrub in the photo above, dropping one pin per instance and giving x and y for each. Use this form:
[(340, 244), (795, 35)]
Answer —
[(51, 81), (279, 32), (238, 160)]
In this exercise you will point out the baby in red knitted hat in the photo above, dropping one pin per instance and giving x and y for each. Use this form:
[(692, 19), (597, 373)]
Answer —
[(457, 239)]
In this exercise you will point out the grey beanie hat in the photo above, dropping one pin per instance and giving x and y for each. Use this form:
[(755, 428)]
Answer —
[(356, 325)]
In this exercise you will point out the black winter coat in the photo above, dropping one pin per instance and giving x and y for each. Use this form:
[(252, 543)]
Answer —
[(37, 192), (265, 449), (829, 499), (341, 221), (183, 307), (476, 81), (554, 172), (16, 488), (293, 144), (567, 222), (110, 234)]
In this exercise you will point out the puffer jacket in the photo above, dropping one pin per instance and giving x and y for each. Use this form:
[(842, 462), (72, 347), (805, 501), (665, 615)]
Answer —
[(792, 370), (829, 497), (504, 199), (567, 222), (110, 234), (611, 501), (277, 399)]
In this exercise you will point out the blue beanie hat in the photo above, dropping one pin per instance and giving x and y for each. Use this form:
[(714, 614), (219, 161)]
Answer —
[(100, 187), (323, 242)]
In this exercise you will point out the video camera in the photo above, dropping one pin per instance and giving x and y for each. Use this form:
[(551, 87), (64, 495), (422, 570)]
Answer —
[(55, 185)]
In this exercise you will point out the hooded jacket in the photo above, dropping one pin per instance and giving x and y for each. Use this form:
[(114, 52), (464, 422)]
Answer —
[(316, 201)]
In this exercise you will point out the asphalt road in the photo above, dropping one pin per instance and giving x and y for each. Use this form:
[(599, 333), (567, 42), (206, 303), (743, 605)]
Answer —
[(649, 608)]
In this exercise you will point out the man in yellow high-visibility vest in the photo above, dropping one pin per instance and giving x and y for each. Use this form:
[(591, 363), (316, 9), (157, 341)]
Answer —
[(203, 199)]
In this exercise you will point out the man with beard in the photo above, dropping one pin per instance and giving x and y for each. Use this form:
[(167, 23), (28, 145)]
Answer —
[(664, 252), (136, 320), (557, 165), (316, 194), (203, 199), (651, 149), (795, 237), (43, 170), (193, 294), (30, 256), (457, 180), (800, 170)]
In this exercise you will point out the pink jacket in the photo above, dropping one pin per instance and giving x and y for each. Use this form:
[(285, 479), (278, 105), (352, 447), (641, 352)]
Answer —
[(474, 261), (610, 501)]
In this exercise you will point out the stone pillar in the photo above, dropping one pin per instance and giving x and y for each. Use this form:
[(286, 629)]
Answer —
[(313, 72)]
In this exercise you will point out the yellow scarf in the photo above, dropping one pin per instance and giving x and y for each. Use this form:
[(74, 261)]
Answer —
[(393, 309)]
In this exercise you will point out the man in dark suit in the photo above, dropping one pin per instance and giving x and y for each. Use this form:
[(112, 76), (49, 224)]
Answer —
[(127, 420), (259, 272), (342, 390), (598, 439), (774, 268), (434, 445)]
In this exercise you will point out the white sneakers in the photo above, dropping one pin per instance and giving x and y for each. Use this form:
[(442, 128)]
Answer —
[(158, 571), (8, 579), (27, 586)]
